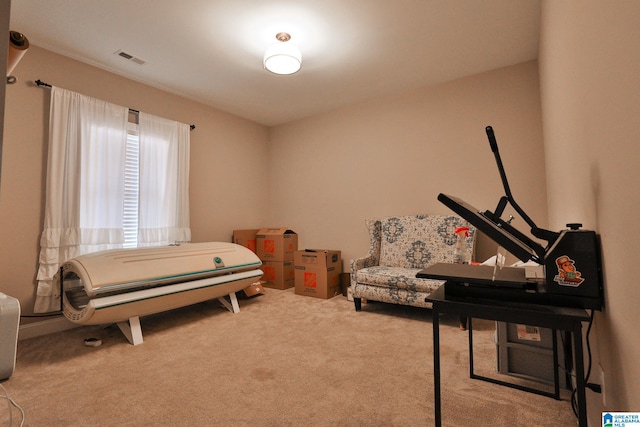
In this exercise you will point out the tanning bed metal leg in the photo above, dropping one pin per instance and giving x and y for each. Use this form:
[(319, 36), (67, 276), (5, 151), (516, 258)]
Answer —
[(132, 330), (233, 306)]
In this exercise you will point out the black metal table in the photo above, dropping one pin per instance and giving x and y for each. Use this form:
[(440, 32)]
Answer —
[(560, 318)]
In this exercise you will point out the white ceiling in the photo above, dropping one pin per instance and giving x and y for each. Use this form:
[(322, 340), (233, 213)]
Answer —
[(353, 50)]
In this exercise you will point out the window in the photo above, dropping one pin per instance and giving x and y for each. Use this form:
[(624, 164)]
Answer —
[(131, 187)]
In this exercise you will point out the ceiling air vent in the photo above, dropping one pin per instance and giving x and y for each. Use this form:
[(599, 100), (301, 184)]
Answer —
[(130, 57)]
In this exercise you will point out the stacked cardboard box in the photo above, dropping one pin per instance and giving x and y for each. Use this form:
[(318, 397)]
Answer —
[(317, 272), (275, 247), (247, 238)]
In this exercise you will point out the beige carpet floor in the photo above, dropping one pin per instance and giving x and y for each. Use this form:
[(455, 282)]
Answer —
[(284, 360)]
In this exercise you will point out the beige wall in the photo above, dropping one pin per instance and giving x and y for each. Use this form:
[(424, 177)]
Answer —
[(320, 176), (393, 156), (227, 160), (589, 68), (5, 6)]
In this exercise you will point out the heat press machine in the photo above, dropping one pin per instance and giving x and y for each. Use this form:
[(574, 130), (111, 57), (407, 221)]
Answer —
[(565, 271)]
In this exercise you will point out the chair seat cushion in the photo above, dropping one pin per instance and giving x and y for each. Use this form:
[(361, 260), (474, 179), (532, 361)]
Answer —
[(396, 278)]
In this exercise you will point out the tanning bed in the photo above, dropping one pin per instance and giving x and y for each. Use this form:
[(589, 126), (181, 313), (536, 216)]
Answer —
[(121, 285)]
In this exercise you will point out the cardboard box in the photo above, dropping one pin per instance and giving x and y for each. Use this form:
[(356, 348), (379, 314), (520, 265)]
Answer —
[(278, 274), (276, 244), (246, 238), (255, 288), (317, 273), (345, 282)]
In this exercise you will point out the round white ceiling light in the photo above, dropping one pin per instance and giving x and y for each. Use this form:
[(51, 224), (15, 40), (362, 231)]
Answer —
[(282, 57)]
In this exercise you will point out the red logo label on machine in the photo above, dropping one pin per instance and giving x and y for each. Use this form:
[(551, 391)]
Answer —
[(567, 273)]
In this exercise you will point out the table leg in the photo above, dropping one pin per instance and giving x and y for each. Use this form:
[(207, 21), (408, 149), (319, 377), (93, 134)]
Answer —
[(470, 328), (582, 403), (436, 366), (556, 375)]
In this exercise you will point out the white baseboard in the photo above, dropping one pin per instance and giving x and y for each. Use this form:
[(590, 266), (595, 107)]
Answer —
[(44, 327)]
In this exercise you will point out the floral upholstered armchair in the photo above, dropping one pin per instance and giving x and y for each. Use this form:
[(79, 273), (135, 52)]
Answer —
[(400, 247)]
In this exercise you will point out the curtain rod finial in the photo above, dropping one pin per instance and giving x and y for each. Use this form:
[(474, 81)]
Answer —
[(41, 83)]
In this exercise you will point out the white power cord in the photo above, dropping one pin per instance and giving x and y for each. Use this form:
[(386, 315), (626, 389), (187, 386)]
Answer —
[(10, 403)]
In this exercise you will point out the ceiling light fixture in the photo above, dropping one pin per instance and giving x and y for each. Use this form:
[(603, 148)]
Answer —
[(282, 57)]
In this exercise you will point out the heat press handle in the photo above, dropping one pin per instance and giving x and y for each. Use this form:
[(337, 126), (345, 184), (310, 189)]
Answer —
[(492, 139)]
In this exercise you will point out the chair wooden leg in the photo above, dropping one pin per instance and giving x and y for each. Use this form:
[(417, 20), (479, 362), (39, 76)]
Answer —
[(358, 303)]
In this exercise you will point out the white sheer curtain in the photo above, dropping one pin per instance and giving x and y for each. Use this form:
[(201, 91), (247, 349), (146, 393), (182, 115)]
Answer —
[(163, 216), (87, 139), (85, 187)]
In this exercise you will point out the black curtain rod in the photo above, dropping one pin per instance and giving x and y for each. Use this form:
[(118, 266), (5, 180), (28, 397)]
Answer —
[(40, 83)]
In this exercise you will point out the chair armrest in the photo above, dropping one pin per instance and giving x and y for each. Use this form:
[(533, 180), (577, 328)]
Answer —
[(363, 262), (359, 264), (373, 258)]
